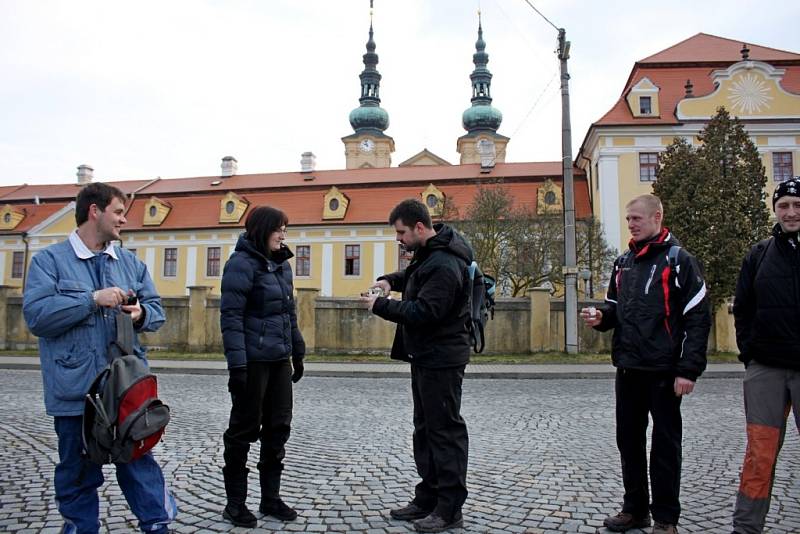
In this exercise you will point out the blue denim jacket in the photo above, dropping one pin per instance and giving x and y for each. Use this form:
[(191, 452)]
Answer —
[(73, 331)]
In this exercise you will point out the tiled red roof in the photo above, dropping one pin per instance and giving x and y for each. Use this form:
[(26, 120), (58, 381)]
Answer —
[(305, 206), (6, 189), (339, 177), (373, 193), (712, 49), (694, 59), (326, 178), (61, 191), (34, 214)]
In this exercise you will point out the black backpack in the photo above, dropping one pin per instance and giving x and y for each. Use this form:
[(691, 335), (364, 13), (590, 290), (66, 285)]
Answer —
[(122, 417), (481, 305)]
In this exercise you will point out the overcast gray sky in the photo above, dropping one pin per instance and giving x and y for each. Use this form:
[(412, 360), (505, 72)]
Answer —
[(167, 88)]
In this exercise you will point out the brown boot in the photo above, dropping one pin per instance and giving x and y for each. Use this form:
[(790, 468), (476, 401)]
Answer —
[(664, 528), (624, 521)]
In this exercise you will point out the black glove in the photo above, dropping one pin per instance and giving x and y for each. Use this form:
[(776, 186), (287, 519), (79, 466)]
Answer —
[(297, 363), (237, 380)]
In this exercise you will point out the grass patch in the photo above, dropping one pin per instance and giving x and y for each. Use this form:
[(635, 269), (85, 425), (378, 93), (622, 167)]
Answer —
[(538, 358)]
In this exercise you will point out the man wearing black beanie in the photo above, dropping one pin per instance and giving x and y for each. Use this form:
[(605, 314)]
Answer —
[(766, 311)]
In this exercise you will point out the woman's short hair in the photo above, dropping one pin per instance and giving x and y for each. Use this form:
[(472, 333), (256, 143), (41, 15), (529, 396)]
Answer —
[(260, 223)]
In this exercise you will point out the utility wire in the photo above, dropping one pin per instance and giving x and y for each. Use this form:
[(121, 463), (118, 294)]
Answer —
[(535, 103), (540, 14)]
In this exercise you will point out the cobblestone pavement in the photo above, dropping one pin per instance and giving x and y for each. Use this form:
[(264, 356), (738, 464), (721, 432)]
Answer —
[(542, 457)]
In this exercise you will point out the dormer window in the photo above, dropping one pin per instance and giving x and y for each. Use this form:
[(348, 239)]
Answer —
[(645, 105), (643, 99)]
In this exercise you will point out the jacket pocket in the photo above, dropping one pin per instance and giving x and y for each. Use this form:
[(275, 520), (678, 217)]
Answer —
[(74, 372)]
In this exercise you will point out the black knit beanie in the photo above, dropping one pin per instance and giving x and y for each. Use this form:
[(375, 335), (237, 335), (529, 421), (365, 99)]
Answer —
[(790, 187)]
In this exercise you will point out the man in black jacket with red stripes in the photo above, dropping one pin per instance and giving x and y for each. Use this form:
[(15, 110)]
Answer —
[(766, 310), (661, 320), (432, 336)]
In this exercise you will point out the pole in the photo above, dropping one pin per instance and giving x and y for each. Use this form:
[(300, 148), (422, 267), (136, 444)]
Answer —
[(570, 261)]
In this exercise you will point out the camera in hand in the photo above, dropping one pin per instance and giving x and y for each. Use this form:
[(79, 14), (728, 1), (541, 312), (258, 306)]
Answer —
[(373, 292), (131, 300)]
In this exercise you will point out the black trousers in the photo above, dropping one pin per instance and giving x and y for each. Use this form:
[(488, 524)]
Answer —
[(441, 443), (263, 411), (638, 394)]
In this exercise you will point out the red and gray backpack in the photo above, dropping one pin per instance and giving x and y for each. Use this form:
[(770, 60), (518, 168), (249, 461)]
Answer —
[(123, 418)]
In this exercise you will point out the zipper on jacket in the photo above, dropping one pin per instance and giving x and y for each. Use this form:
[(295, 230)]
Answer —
[(650, 280), (261, 336)]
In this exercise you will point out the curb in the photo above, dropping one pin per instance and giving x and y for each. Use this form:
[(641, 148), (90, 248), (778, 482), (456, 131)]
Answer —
[(470, 374)]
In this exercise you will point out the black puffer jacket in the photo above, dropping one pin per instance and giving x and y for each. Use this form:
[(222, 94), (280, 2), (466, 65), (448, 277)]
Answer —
[(766, 308), (432, 316), (660, 319), (257, 310)]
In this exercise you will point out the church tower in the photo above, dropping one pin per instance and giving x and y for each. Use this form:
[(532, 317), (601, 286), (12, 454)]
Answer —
[(481, 144), (368, 146)]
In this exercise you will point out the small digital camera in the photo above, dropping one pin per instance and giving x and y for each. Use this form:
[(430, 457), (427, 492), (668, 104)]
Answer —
[(131, 300), (374, 292)]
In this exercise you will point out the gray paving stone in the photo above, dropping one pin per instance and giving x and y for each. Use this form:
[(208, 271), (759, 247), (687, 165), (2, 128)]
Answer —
[(542, 457)]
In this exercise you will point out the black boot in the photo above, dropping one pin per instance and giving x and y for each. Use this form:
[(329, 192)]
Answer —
[(271, 503), (236, 492)]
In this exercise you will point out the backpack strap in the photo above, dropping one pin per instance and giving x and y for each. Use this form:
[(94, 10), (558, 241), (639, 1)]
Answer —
[(762, 255), (123, 345), (474, 327), (672, 258)]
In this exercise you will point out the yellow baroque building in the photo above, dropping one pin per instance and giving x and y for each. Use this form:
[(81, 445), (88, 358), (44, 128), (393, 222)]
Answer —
[(674, 93), (184, 229)]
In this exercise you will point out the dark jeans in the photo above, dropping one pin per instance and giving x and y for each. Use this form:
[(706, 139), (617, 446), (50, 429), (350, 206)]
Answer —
[(639, 393), (263, 411), (441, 443)]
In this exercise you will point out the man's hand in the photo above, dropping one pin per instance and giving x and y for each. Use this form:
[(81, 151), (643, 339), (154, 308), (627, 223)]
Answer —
[(109, 297), (383, 284), (683, 386), (369, 300), (134, 309), (591, 316), (297, 364)]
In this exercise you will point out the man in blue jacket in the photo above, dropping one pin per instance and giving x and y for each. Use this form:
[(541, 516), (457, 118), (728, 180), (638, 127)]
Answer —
[(432, 335), (74, 292)]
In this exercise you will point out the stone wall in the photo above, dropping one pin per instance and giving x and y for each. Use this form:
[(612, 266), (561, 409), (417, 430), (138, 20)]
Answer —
[(340, 325)]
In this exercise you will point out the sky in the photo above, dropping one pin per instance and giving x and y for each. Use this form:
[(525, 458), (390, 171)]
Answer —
[(148, 89)]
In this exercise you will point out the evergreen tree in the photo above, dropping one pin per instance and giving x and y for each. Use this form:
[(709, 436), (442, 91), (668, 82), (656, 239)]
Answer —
[(714, 199)]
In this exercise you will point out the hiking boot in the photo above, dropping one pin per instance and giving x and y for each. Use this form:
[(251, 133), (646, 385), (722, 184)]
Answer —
[(664, 528), (436, 523), (239, 515), (624, 521), (277, 509), (409, 512)]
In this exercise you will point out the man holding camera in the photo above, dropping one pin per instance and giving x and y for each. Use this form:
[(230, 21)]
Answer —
[(432, 336), (74, 292)]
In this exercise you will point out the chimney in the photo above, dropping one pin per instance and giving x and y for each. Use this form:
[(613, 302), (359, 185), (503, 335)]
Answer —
[(229, 166), (85, 174), (308, 162)]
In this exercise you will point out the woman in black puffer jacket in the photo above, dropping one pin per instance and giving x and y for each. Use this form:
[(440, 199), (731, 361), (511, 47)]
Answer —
[(265, 350)]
